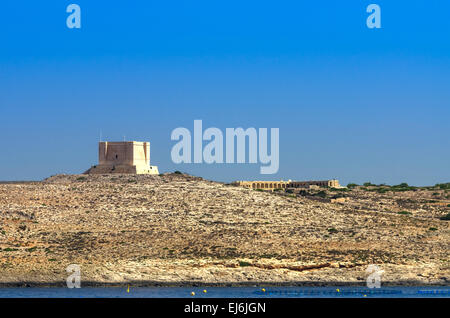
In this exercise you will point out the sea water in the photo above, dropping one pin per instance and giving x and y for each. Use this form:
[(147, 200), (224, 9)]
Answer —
[(228, 292)]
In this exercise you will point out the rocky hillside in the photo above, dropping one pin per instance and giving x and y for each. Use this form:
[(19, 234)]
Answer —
[(178, 229)]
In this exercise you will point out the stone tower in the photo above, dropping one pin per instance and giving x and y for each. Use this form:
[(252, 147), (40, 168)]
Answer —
[(123, 157)]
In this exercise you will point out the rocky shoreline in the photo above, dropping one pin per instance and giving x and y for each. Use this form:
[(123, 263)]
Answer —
[(149, 284)]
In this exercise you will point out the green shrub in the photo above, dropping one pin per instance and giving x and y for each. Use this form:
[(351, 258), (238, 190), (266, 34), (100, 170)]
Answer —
[(379, 190), (368, 184), (9, 249), (321, 194), (445, 217), (178, 172), (433, 229), (332, 230), (243, 264), (404, 212), (403, 187), (81, 178), (443, 186), (352, 185)]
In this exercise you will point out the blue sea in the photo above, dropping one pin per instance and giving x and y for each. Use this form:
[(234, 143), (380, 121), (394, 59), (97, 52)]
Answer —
[(228, 292)]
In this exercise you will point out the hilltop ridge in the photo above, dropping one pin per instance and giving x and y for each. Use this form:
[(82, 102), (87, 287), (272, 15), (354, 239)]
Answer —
[(184, 230)]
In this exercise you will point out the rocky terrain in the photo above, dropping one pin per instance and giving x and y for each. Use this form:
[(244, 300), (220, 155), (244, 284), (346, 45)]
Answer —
[(175, 229)]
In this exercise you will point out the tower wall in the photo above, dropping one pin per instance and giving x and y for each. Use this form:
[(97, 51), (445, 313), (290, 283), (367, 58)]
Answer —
[(124, 157)]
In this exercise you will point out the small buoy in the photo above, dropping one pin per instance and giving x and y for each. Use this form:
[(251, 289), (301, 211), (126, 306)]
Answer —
[(192, 294), (204, 290), (365, 295), (338, 290), (263, 290), (128, 289)]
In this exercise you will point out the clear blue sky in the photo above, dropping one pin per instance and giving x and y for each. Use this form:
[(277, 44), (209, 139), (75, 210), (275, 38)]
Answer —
[(352, 103)]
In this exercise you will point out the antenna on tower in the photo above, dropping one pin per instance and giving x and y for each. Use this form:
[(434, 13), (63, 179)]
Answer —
[(100, 135), (123, 137)]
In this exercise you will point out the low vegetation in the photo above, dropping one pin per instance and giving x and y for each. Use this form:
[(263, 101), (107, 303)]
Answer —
[(443, 186)]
